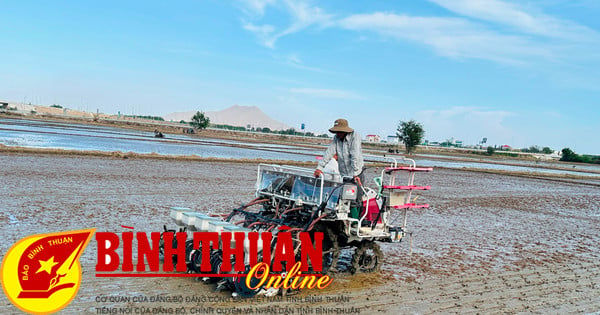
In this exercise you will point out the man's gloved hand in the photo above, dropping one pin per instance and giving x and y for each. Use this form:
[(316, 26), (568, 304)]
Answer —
[(318, 172)]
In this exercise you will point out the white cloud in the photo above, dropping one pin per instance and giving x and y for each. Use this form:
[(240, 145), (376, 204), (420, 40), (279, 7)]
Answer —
[(451, 37), (510, 33), (295, 61), (327, 93), (302, 16), (256, 6), (263, 32), (260, 29), (510, 14)]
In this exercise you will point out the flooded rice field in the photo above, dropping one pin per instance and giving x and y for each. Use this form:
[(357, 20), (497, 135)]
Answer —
[(69, 136), (38, 134), (489, 243)]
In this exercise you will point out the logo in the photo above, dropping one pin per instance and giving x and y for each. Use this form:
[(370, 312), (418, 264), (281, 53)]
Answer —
[(238, 256), (41, 273)]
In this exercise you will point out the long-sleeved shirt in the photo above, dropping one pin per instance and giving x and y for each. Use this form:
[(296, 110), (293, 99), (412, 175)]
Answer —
[(350, 158)]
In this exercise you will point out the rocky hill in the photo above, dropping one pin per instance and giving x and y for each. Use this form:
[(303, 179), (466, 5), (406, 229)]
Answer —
[(235, 115)]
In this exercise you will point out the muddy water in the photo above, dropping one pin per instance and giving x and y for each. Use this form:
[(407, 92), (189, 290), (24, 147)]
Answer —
[(36, 134), (45, 134), (489, 243)]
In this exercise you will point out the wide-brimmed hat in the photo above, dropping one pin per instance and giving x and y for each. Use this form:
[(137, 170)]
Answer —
[(340, 125)]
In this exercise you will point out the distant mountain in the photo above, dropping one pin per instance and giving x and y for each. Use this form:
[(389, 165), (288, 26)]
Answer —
[(235, 115)]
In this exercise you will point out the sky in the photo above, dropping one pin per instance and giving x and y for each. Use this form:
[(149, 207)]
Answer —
[(521, 73)]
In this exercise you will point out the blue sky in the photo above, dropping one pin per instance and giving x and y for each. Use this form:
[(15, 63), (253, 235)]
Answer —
[(517, 72)]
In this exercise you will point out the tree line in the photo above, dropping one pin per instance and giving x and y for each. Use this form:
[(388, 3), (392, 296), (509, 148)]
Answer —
[(201, 121), (410, 132), (157, 118), (569, 156)]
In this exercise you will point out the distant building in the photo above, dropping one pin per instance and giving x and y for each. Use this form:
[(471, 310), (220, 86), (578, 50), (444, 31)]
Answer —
[(505, 147), (547, 157), (373, 138), (393, 139)]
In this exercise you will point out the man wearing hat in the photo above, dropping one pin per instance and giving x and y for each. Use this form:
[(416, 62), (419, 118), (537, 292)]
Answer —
[(346, 144)]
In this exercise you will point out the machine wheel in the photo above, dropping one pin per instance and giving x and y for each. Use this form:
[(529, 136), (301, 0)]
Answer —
[(331, 250), (239, 284), (367, 258), (216, 260), (195, 261), (161, 242)]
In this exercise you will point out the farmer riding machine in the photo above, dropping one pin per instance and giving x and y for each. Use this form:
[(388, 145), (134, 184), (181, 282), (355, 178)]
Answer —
[(291, 199)]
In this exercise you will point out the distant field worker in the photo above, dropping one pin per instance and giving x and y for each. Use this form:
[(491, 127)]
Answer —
[(346, 144)]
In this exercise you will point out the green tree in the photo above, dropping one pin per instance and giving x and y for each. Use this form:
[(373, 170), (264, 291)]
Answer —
[(446, 144), (490, 150), (411, 133), (534, 149), (547, 150), (200, 121), (569, 156)]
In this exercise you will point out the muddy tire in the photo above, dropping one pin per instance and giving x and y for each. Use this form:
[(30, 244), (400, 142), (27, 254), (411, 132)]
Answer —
[(331, 252), (367, 258)]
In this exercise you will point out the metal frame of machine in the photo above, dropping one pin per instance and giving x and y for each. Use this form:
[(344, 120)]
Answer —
[(291, 197)]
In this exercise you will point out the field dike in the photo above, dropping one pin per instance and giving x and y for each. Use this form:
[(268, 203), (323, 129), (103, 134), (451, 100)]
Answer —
[(4, 149)]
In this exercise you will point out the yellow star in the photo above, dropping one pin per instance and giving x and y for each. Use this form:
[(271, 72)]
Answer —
[(47, 265)]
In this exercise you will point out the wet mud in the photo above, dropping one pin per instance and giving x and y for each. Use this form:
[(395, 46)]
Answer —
[(489, 243)]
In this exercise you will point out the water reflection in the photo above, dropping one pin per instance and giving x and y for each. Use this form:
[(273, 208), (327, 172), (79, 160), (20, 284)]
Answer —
[(39, 134)]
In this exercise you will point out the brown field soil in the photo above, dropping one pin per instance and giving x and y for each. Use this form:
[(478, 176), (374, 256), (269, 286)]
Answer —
[(489, 243)]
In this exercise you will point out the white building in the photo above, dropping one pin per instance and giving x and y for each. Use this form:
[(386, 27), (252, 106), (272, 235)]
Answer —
[(373, 138), (393, 139)]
